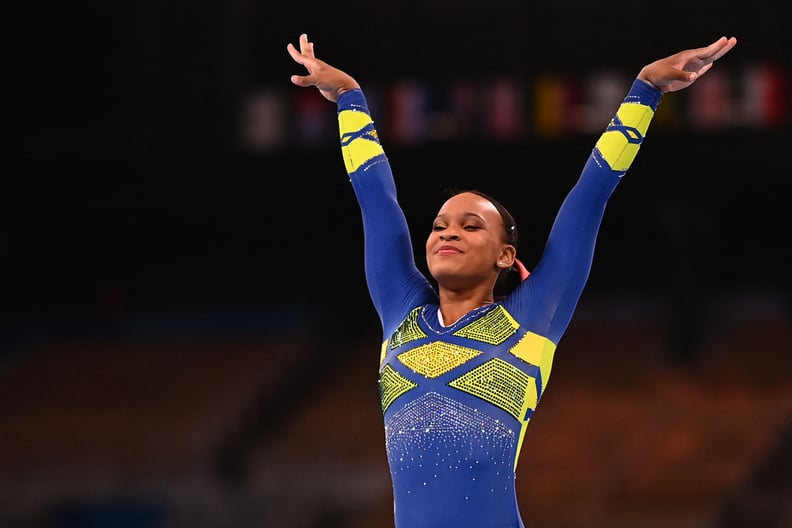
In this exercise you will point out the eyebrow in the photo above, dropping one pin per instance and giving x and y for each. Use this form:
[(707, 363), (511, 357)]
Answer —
[(464, 216)]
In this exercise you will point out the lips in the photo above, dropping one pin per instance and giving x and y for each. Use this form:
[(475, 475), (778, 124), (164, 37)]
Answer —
[(448, 250)]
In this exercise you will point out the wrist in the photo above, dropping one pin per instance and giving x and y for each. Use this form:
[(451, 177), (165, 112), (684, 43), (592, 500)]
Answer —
[(645, 92), (642, 76)]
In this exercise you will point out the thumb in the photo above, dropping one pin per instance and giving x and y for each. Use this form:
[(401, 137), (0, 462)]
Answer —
[(687, 76), (672, 73), (669, 75), (300, 80)]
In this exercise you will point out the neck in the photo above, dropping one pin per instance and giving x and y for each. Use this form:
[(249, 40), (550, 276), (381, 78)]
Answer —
[(454, 305)]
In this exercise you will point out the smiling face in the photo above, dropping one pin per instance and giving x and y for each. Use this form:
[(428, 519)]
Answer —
[(467, 245)]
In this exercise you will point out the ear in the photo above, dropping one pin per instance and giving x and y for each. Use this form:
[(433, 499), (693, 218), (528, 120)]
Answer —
[(507, 256)]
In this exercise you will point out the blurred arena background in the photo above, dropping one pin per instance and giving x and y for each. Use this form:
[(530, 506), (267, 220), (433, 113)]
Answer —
[(187, 340)]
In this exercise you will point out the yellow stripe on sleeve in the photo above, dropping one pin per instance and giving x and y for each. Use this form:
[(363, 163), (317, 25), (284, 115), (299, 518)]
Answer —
[(362, 149), (620, 145)]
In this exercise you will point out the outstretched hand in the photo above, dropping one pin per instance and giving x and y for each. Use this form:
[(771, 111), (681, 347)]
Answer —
[(330, 81), (680, 70)]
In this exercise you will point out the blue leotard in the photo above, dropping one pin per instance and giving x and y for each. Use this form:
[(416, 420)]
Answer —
[(457, 399)]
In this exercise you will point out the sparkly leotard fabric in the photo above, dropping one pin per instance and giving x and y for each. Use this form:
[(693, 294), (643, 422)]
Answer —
[(457, 399)]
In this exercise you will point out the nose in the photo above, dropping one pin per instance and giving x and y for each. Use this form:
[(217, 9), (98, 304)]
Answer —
[(448, 234)]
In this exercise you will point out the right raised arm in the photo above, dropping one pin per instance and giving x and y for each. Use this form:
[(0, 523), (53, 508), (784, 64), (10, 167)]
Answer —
[(394, 282)]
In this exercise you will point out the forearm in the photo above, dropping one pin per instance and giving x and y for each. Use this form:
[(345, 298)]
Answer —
[(563, 270), (610, 158), (625, 133), (389, 261), (368, 168)]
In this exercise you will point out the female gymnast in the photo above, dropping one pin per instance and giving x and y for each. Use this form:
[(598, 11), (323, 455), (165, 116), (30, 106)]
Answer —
[(464, 363)]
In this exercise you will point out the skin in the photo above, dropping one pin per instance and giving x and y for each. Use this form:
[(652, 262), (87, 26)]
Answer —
[(465, 252), (467, 270), (669, 74), (680, 70)]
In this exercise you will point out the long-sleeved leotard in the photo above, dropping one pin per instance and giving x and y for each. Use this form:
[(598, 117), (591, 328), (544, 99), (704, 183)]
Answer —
[(457, 399)]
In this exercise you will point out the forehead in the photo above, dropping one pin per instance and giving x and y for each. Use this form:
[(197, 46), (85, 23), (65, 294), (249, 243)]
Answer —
[(466, 203)]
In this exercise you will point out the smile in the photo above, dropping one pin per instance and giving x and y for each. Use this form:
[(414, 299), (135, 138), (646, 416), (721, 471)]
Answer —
[(448, 250)]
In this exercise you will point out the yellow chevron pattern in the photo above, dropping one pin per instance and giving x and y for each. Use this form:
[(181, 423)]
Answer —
[(502, 384), (391, 386), (494, 328), (408, 331), (436, 358)]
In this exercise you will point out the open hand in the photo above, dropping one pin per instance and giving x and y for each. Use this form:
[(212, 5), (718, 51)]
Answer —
[(683, 68), (330, 81)]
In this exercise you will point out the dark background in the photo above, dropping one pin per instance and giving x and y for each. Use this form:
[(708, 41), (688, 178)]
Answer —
[(152, 263), (132, 187)]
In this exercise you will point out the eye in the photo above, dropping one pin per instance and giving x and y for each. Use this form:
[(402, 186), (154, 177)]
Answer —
[(472, 227), (438, 227)]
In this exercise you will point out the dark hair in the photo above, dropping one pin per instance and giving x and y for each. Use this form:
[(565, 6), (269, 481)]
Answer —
[(510, 277)]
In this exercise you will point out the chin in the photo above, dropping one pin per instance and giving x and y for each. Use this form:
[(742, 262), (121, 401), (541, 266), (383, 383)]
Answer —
[(450, 278)]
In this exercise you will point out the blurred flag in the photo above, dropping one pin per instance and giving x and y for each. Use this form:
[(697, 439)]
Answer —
[(263, 124), (711, 104), (408, 117), (763, 103), (465, 107), (604, 93), (315, 119), (552, 106), (503, 109)]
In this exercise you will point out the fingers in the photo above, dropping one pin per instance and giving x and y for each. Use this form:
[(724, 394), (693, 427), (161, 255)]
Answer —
[(711, 49), (695, 62), (722, 50), (306, 50), (304, 57), (306, 47), (294, 53), (703, 70), (717, 49)]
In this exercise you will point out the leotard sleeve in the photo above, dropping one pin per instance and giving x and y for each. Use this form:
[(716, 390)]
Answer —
[(394, 282), (547, 299)]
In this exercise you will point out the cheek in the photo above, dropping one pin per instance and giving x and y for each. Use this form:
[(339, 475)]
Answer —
[(492, 250), (429, 241)]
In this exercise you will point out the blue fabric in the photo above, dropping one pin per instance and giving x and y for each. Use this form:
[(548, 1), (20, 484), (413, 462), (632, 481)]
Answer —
[(456, 399)]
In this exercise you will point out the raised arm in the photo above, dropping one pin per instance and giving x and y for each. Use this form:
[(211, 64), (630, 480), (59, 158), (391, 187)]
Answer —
[(394, 282), (557, 281)]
